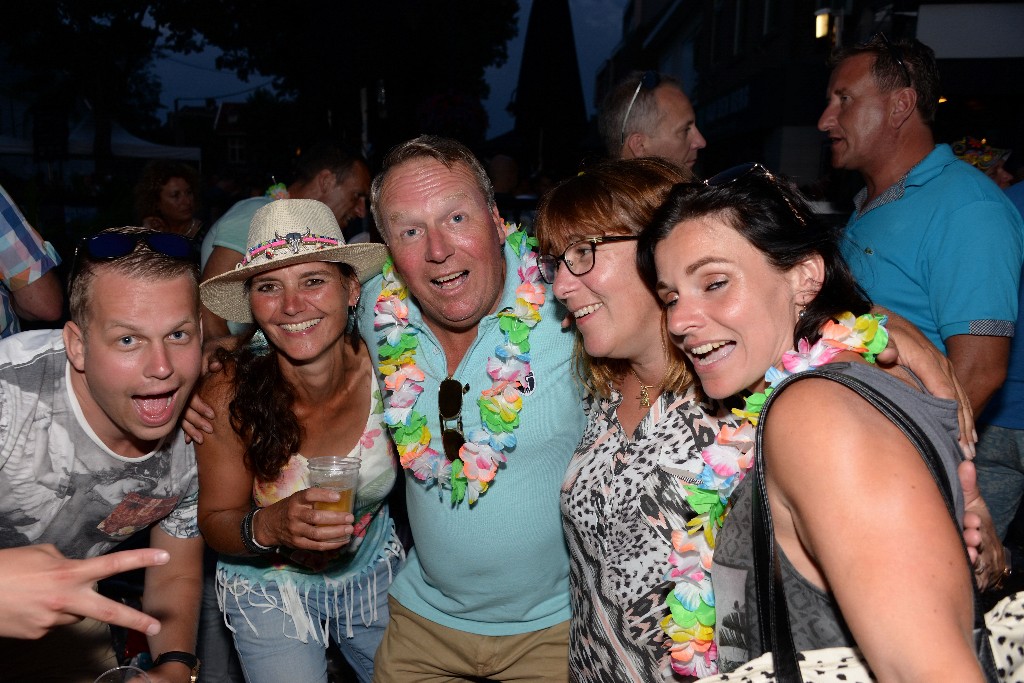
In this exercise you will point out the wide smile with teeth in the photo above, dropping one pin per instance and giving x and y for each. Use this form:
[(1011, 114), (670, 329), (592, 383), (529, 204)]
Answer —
[(299, 327), (449, 280), (586, 310), (708, 353)]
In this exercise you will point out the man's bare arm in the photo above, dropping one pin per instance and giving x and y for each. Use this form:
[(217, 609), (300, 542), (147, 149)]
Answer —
[(172, 594), (980, 363), (41, 299)]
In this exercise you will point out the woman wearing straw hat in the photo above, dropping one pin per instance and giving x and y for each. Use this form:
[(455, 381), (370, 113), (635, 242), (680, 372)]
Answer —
[(290, 576)]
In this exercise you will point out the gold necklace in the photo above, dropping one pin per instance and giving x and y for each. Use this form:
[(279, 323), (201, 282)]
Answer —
[(645, 389)]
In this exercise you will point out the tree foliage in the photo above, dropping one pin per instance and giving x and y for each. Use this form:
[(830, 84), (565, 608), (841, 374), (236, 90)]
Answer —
[(96, 52), (398, 67), (325, 55)]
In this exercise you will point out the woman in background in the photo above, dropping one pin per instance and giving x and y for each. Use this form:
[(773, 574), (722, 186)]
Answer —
[(165, 198)]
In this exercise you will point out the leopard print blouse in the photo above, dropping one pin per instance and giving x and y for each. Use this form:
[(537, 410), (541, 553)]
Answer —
[(621, 499)]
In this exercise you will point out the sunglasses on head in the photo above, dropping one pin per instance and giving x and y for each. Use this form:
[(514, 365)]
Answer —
[(748, 170), (895, 52), (110, 246), (449, 410), (648, 81)]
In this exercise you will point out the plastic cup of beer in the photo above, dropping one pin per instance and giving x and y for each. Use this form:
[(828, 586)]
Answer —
[(338, 473), (124, 674)]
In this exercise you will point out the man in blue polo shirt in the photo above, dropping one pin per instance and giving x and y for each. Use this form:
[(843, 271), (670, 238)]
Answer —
[(1001, 431), (931, 238)]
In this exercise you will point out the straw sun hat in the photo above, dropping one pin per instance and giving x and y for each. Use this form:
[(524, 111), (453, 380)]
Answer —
[(283, 233)]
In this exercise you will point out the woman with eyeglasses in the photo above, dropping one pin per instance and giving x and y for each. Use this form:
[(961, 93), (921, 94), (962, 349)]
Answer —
[(293, 573), (755, 290), (623, 498), (640, 505)]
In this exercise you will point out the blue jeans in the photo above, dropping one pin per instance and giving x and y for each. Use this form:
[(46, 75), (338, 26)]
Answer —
[(266, 636), (1000, 464), (213, 642)]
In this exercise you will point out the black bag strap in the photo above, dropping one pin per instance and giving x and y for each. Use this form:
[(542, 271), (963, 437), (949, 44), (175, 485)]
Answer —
[(773, 614)]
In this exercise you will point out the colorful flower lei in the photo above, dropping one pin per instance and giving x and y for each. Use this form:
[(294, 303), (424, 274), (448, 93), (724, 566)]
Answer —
[(277, 191), (691, 603), (500, 404)]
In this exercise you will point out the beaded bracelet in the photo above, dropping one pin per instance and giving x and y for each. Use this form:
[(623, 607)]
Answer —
[(249, 538)]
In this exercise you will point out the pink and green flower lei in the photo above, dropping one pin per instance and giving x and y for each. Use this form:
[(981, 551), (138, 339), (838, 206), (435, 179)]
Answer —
[(691, 621), (484, 451)]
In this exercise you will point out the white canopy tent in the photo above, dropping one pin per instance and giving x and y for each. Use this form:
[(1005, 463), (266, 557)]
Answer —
[(9, 145), (122, 144)]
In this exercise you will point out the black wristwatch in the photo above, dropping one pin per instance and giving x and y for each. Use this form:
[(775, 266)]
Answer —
[(186, 658)]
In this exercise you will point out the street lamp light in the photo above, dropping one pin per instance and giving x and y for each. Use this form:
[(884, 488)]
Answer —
[(830, 21), (821, 22)]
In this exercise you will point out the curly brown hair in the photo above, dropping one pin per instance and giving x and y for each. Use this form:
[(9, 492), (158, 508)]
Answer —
[(155, 175), (261, 406)]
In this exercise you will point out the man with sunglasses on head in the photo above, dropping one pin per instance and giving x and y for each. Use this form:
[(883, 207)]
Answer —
[(648, 115), (90, 452), (931, 238)]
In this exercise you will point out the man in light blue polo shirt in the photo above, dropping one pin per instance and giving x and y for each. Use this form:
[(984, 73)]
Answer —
[(1000, 458), (485, 592)]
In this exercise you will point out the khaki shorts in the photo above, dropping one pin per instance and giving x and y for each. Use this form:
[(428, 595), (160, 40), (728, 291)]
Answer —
[(418, 650)]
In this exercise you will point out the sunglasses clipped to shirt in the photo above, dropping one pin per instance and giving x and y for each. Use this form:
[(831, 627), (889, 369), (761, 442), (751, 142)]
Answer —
[(110, 246), (449, 410)]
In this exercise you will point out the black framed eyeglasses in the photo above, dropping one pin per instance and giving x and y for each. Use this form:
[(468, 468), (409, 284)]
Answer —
[(649, 80), (578, 257), (449, 412), (896, 52), (110, 246)]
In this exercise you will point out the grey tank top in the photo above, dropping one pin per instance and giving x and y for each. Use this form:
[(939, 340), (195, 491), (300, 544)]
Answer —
[(814, 614)]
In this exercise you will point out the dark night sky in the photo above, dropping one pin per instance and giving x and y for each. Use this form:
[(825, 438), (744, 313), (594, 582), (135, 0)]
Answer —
[(597, 25)]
